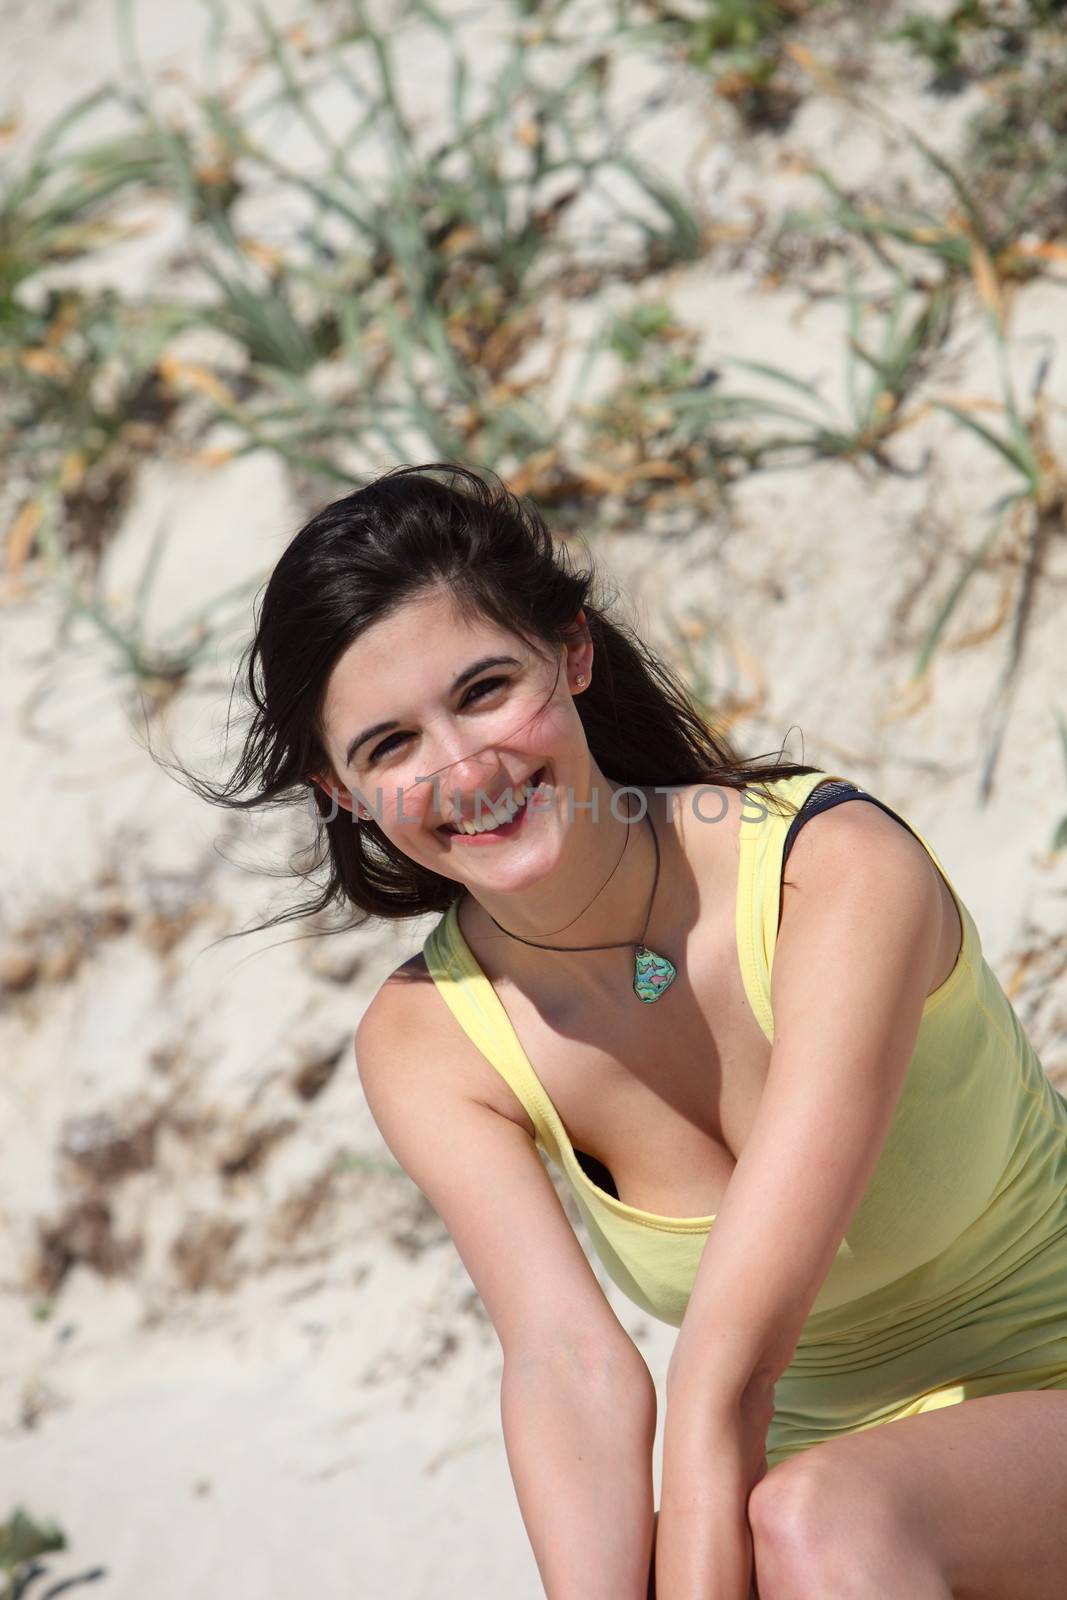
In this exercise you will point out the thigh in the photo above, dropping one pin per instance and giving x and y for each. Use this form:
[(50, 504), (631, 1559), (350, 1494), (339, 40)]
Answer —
[(980, 1486)]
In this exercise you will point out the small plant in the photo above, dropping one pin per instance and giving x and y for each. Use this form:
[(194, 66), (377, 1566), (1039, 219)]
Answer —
[(156, 668), (78, 383), (972, 217), (665, 420), (743, 45), (693, 640), (22, 1540), (939, 40), (1033, 513), (1016, 151), (880, 381), (979, 39), (56, 202), (950, 238), (422, 284), (675, 418), (84, 402)]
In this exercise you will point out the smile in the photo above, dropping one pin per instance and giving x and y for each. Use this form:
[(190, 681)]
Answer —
[(499, 820)]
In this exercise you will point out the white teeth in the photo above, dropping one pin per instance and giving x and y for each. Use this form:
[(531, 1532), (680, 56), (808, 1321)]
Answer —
[(496, 816)]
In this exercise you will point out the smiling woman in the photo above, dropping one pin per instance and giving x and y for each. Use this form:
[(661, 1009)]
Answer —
[(391, 777), (800, 1118), (474, 727), (415, 654)]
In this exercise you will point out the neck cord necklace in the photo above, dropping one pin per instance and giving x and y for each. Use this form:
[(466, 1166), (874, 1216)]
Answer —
[(584, 909), (653, 973)]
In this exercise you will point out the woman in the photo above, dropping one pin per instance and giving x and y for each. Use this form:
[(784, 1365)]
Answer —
[(824, 1067)]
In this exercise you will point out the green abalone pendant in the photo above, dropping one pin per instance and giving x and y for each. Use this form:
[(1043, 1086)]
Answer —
[(653, 974)]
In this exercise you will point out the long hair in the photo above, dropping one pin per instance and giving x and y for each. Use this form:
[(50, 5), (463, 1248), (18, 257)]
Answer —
[(359, 560)]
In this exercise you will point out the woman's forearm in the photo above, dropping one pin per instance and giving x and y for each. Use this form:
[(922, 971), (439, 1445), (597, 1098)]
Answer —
[(713, 1456), (579, 1446), (704, 1544)]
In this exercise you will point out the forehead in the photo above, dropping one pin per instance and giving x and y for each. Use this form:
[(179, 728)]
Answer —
[(410, 655), (432, 614), (428, 634)]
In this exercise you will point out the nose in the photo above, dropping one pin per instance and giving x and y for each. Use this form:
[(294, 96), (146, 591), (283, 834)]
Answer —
[(470, 780)]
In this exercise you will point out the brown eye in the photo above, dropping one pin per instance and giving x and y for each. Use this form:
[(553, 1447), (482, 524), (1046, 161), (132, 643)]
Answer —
[(486, 683), (386, 746), (389, 744)]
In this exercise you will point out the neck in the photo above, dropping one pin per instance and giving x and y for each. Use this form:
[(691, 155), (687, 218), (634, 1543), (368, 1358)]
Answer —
[(607, 867)]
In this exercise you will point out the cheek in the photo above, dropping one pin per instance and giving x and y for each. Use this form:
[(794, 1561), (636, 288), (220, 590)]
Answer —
[(558, 727), (411, 838), (404, 815)]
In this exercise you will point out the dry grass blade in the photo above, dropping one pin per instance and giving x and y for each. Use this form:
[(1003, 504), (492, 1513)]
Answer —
[(970, 566), (1048, 517), (1059, 838), (1008, 448)]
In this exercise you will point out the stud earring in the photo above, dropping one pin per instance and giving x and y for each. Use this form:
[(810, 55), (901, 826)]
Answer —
[(580, 679)]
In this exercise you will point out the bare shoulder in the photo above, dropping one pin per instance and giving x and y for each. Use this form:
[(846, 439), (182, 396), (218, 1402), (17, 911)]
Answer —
[(859, 830), (859, 842), (407, 1018), (396, 1004), (706, 818)]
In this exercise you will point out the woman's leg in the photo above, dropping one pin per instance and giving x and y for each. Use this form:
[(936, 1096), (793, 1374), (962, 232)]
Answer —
[(652, 1567)]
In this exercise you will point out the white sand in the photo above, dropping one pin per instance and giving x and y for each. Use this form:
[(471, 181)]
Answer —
[(292, 1387)]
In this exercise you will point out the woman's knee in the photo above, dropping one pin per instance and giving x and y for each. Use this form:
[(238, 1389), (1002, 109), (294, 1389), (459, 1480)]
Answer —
[(810, 1522)]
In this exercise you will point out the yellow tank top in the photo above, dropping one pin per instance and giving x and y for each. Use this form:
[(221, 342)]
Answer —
[(952, 1277)]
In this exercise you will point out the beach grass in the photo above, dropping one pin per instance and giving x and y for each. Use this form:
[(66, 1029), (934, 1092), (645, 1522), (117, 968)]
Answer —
[(394, 307)]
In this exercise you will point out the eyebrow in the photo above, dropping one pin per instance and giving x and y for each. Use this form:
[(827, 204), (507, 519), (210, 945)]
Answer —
[(465, 676)]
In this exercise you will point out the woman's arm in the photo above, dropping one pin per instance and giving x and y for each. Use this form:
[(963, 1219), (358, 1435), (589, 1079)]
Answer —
[(577, 1400), (579, 1445), (714, 1454), (852, 965)]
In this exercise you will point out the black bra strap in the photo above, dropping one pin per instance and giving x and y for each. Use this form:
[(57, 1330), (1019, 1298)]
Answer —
[(831, 794)]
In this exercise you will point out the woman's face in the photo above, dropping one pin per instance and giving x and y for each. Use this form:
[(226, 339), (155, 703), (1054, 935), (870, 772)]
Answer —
[(430, 719)]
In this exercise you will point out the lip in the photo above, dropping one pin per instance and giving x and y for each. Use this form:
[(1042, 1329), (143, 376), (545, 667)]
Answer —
[(506, 829)]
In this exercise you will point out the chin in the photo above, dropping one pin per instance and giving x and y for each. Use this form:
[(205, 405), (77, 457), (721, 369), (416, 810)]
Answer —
[(505, 868)]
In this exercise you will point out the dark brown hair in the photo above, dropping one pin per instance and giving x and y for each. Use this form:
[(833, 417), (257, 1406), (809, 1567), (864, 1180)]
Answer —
[(361, 558)]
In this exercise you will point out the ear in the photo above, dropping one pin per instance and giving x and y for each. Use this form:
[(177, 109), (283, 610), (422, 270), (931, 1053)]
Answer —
[(579, 654), (336, 793)]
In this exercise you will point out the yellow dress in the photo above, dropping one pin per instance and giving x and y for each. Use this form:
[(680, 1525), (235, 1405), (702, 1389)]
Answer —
[(951, 1281)]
